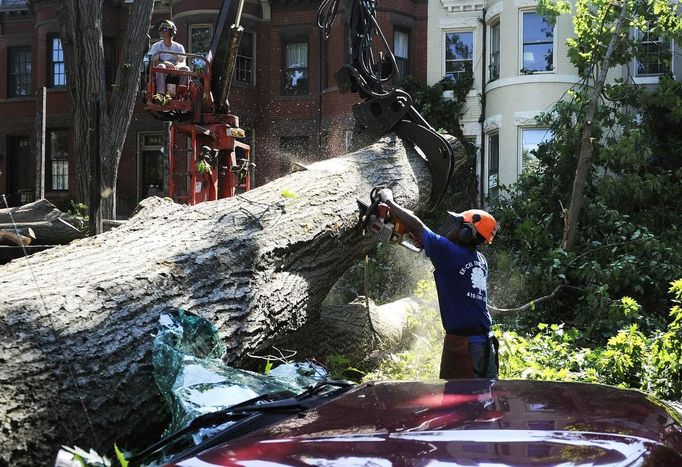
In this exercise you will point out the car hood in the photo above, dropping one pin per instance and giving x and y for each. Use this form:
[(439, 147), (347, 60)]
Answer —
[(467, 422)]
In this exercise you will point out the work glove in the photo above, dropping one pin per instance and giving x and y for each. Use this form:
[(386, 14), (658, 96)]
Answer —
[(385, 194)]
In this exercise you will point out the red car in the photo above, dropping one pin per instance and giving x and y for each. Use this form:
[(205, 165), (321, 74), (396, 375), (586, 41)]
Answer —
[(463, 422)]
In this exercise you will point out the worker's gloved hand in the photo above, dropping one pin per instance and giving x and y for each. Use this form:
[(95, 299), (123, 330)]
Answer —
[(385, 194)]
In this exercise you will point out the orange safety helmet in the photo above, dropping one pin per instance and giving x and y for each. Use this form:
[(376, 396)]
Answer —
[(484, 224)]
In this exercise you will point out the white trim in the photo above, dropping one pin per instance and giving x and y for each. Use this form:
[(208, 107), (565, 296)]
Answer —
[(444, 33), (254, 52), (494, 11), (458, 6), (488, 147), (526, 118), (449, 22), (646, 79), (492, 123), (651, 79), (471, 129), (185, 14), (487, 61), (531, 79), (265, 8), (523, 11), (519, 143)]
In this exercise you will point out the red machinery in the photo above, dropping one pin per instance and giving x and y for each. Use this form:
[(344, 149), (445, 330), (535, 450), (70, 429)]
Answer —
[(218, 164)]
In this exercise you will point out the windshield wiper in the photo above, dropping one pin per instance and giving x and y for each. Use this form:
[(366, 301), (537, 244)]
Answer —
[(242, 410), (228, 414)]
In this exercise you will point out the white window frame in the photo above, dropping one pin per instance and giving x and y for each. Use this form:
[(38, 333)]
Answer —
[(397, 32), (190, 45), (59, 163), (494, 24), (522, 12), (58, 66), (651, 78), (141, 147), (548, 135), (473, 47), (253, 61), (488, 155)]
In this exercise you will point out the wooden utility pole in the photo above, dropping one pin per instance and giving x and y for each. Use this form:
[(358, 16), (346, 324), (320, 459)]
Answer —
[(41, 105), (95, 189)]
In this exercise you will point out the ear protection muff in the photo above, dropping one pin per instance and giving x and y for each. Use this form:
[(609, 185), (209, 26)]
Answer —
[(466, 234)]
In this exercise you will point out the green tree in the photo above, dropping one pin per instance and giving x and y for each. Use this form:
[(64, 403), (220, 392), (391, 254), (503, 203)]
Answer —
[(603, 40)]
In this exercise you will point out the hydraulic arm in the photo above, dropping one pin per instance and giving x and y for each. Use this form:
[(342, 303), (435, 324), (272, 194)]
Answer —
[(385, 108)]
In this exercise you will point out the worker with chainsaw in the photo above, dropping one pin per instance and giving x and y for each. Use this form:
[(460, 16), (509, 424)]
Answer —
[(461, 275), (167, 31)]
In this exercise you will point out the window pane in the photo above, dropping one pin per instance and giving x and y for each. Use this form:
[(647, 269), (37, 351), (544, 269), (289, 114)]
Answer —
[(538, 43), (244, 66), (401, 45), (59, 159), (495, 51), (296, 69), (459, 51), (296, 81), (58, 70), (530, 140), (459, 45), (494, 165), (60, 175), (297, 55), (20, 72), (200, 40), (653, 56), (536, 28), (539, 57)]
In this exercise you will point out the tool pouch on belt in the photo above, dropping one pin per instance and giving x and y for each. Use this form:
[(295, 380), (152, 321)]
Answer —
[(456, 359)]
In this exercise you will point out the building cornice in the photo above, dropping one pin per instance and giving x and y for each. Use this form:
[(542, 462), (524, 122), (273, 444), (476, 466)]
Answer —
[(458, 6)]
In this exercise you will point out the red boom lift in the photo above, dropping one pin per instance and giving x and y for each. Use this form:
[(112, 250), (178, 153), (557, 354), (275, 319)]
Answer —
[(218, 164)]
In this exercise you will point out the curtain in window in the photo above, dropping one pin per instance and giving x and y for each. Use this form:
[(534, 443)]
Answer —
[(297, 55), (400, 44)]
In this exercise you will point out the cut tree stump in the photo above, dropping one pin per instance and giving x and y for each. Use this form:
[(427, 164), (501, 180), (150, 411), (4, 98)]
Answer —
[(50, 225), (77, 321)]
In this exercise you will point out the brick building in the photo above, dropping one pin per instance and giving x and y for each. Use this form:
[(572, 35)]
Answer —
[(283, 89)]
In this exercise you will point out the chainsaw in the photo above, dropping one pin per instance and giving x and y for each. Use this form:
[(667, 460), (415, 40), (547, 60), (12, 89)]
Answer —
[(376, 220)]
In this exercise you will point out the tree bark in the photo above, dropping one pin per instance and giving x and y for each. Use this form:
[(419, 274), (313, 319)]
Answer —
[(81, 36), (586, 150), (50, 225), (76, 322), (356, 331)]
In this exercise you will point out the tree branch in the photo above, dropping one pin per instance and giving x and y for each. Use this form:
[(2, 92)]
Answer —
[(533, 303)]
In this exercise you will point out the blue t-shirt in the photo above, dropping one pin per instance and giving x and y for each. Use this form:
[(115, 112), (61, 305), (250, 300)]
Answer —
[(461, 276)]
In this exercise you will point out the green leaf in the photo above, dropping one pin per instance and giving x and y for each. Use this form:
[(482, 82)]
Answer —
[(120, 456), (286, 193)]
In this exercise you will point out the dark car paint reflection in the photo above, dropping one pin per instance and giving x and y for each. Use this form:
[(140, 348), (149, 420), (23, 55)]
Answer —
[(468, 422)]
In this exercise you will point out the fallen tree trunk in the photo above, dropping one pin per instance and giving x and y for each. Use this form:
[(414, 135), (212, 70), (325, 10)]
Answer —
[(76, 321), (50, 225), (359, 331)]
